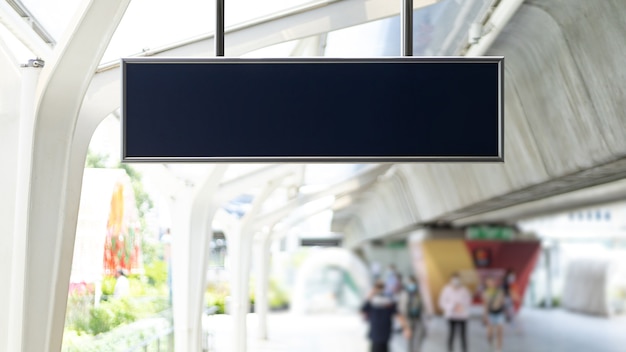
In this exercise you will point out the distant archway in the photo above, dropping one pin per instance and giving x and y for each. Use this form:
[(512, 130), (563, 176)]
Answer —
[(345, 276)]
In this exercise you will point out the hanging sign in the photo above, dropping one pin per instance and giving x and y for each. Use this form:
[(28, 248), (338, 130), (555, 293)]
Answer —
[(402, 109)]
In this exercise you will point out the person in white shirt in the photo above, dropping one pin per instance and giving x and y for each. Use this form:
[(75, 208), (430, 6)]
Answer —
[(455, 301), (122, 286)]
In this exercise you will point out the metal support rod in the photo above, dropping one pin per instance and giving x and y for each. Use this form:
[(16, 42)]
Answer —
[(406, 27), (219, 27)]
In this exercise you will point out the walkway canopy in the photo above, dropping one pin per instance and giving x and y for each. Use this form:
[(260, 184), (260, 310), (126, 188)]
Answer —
[(564, 111)]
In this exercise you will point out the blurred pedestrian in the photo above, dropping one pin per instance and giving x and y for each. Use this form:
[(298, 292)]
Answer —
[(493, 300), (391, 281), (380, 310), (511, 294), (122, 286), (455, 301), (397, 291), (411, 307), (375, 270)]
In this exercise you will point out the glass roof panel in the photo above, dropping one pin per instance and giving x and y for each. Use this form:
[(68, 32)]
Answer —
[(148, 24), (363, 40), (439, 30), (442, 29), (151, 23), (14, 47), (54, 15), (273, 51)]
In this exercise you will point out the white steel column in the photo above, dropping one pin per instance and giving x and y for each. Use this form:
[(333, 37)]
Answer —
[(193, 212), (239, 254), (240, 240), (261, 299), (9, 129), (30, 77), (51, 225), (180, 210)]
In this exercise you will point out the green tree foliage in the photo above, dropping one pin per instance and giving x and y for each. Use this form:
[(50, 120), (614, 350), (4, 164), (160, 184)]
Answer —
[(142, 198), (96, 160), (156, 272), (152, 251), (77, 314), (216, 294), (108, 315), (100, 320), (108, 285), (123, 338), (85, 319), (277, 296), (215, 299)]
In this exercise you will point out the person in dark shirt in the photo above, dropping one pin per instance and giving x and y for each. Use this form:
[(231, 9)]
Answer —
[(379, 310)]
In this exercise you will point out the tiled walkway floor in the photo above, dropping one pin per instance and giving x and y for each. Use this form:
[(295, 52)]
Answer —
[(539, 331)]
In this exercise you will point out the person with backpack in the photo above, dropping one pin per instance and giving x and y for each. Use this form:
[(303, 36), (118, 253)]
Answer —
[(494, 302), (411, 307), (379, 310)]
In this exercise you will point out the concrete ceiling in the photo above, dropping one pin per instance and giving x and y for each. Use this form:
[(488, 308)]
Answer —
[(565, 128)]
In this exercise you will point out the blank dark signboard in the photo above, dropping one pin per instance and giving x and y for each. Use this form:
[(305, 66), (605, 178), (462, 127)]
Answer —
[(313, 110)]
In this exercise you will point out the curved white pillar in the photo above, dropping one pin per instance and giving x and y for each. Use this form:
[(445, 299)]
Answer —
[(240, 238), (180, 210), (39, 320), (9, 129), (30, 77), (239, 254), (192, 215), (261, 299)]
